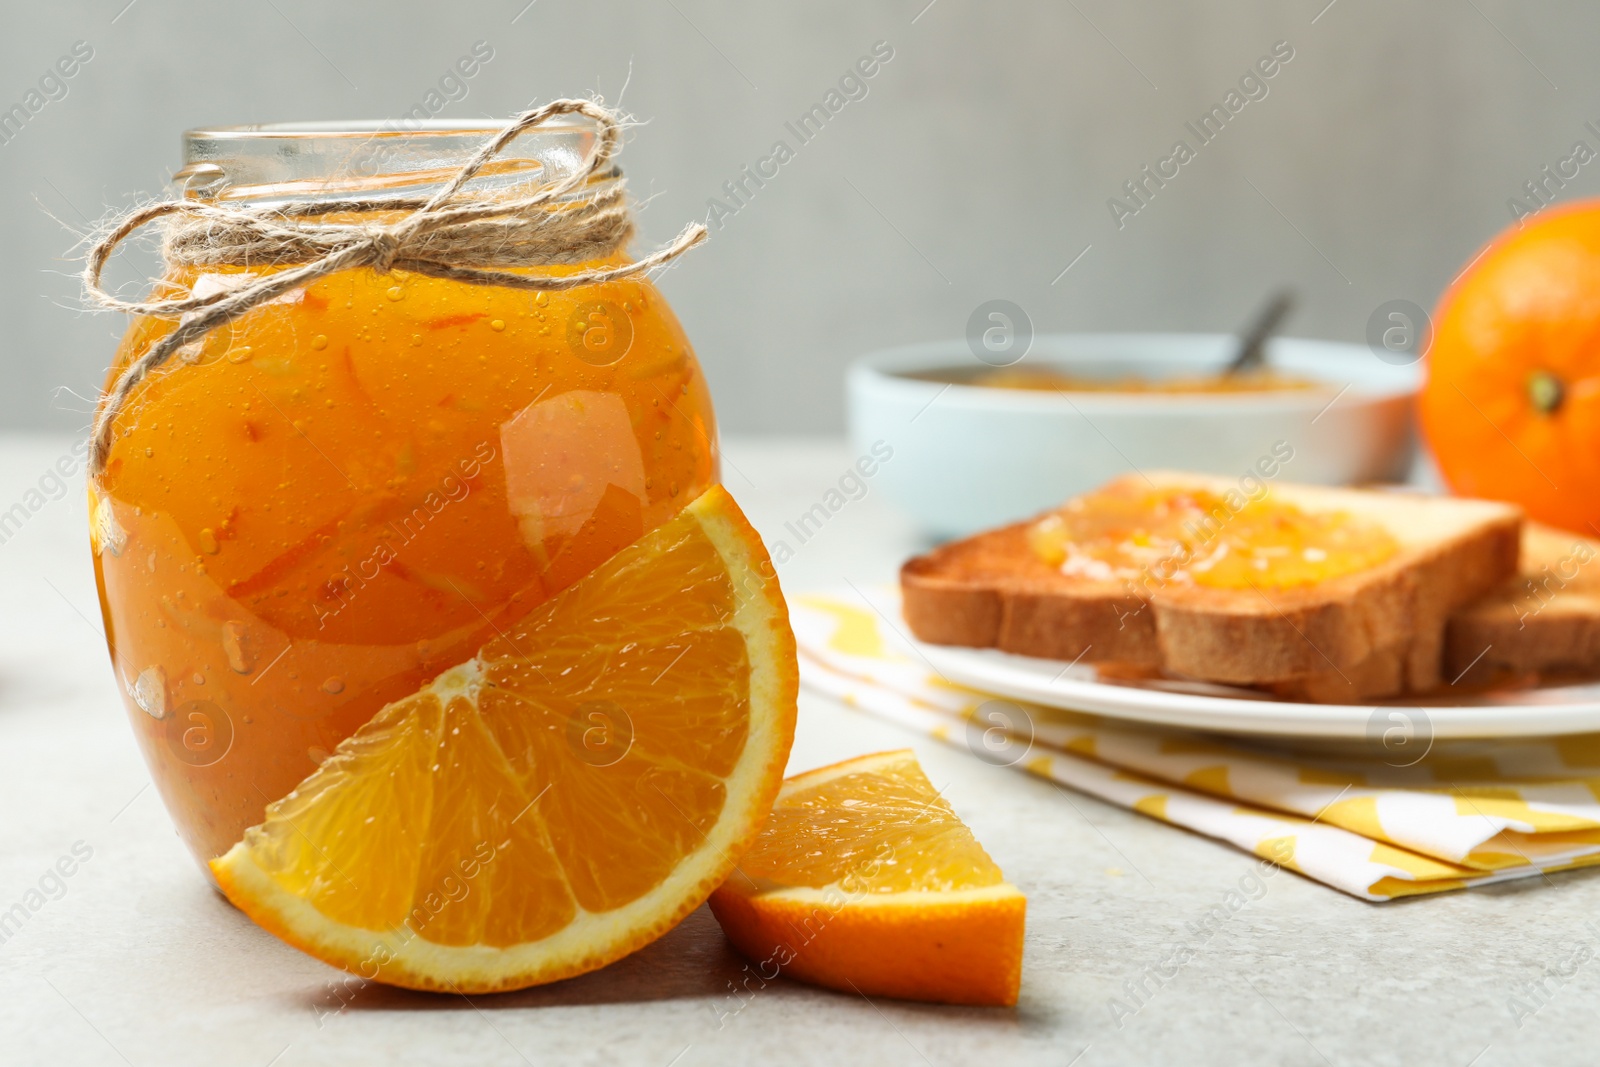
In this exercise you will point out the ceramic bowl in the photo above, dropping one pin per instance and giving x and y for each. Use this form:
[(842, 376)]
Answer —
[(966, 457)]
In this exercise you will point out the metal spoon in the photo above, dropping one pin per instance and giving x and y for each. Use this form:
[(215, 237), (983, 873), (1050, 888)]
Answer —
[(1252, 351)]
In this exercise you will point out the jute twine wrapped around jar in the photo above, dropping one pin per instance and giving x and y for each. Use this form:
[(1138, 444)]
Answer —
[(460, 236)]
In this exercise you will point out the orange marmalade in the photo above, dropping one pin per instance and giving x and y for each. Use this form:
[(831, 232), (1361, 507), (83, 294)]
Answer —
[(1041, 379), (353, 487), (1128, 532)]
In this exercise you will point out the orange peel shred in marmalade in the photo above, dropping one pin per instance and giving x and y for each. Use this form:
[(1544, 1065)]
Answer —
[(1193, 536)]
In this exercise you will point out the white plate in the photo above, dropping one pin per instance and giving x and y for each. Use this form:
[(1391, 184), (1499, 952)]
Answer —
[(1199, 706)]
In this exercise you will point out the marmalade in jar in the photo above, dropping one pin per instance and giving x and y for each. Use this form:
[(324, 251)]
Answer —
[(352, 488), (1127, 531)]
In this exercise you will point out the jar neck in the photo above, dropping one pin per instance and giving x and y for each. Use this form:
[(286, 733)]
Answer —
[(280, 162)]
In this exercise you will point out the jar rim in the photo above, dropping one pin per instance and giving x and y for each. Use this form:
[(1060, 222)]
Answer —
[(376, 127), (329, 159)]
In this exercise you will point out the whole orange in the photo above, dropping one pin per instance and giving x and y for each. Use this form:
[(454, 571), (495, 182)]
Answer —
[(1511, 405)]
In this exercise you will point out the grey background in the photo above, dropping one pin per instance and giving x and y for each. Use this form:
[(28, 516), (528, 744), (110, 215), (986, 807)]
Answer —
[(978, 166)]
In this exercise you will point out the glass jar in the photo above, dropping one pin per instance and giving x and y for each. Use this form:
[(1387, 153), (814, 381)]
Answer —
[(349, 489)]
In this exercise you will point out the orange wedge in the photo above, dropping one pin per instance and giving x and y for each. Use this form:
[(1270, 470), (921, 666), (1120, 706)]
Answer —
[(865, 880), (561, 799)]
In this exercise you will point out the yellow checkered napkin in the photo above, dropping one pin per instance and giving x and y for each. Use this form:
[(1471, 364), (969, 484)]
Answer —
[(1468, 813)]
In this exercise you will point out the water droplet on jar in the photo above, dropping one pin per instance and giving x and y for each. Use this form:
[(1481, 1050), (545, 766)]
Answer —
[(416, 339), (208, 542), (238, 647), (318, 754), (334, 685), (497, 325), (542, 299), (395, 293), (320, 341), (197, 678), (239, 354), (149, 691)]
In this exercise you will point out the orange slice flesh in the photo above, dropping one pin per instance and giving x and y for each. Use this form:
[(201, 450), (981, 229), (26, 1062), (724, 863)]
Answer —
[(865, 880), (561, 799)]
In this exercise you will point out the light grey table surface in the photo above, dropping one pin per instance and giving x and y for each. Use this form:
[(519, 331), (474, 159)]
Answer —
[(138, 962)]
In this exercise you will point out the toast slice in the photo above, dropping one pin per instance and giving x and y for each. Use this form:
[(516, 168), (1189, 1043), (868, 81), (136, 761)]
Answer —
[(1378, 631), (1543, 621)]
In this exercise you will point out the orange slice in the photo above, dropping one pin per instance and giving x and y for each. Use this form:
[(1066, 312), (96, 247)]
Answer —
[(561, 799), (865, 880)]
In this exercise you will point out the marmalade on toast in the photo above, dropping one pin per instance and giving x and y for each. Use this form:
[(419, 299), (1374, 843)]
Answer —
[(1171, 534)]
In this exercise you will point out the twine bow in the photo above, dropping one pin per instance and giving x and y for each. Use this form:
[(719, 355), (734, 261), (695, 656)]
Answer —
[(452, 235)]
